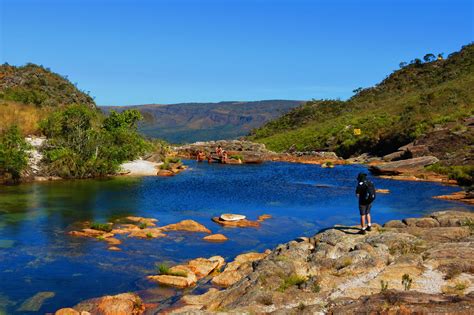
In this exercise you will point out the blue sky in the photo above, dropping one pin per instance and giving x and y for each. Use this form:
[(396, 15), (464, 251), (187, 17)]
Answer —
[(136, 52)]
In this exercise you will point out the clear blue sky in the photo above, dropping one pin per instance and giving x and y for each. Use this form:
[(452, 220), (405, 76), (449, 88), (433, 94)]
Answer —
[(135, 52)]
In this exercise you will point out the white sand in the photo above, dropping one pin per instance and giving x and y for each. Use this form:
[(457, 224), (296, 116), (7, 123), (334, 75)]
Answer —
[(140, 168)]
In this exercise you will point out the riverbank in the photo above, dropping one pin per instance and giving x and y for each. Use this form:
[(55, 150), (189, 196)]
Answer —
[(410, 265)]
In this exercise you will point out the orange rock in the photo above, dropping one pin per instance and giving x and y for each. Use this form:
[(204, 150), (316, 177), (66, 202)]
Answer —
[(215, 238), (264, 217), (67, 311), (202, 266), (114, 248), (177, 281), (165, 173), (186, 225), (113, 241), (240, 223), (457, 196), (237, 269), (382, 191), (147, 221), (147, 233)]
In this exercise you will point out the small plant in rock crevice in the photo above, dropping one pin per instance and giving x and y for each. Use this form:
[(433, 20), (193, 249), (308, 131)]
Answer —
[(406, 281), (383, 286)]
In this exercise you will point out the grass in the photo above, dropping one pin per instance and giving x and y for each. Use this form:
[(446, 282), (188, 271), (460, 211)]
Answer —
[(383, 286), (163, 269), (291, 280), (464, 174), (149, 235), (25, 116), (236, 157), (316, 287), (101, 226), (404, 248), (458, 288), (143, 225)]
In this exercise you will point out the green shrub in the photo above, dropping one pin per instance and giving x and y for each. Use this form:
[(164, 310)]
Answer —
[(82, 143), (290, 281), (383, 286), (406, 281), (163, 269), (237, 157), (463, 174), (101, 226), (13, 153), (142, 225)]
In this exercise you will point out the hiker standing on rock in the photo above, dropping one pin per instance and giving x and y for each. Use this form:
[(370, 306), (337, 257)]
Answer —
[(366, 192)]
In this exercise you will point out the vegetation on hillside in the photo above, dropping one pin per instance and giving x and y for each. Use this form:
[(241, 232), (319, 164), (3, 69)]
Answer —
[(35, 85), (82, 143), (408, 103), (13, 154)]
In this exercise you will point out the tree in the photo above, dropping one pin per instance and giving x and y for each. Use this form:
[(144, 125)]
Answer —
[(402, 64), (357, 90), (440, 56), (13, 153), (429, 57)]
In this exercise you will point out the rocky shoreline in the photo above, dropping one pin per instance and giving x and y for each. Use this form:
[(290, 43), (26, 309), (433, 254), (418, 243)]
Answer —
[(422, 265)]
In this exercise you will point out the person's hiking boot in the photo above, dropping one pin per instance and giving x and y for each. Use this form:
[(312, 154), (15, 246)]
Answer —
[(369, 228), (362, 231)]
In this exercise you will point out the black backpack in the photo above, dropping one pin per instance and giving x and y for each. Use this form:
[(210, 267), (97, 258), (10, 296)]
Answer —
[(370, 192)]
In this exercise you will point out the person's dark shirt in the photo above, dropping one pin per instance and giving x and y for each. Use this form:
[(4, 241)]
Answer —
[(361, 190)]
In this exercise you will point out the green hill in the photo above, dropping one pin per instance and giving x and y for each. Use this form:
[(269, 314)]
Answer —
[(409, 103), (36, 85)]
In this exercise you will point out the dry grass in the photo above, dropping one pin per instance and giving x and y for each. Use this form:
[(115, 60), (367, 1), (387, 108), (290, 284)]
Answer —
[(26, 117)]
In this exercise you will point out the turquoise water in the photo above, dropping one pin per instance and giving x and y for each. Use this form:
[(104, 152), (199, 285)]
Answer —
[(37, 255)]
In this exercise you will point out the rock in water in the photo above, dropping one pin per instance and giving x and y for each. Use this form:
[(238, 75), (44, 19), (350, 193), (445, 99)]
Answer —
[(34, 303), (231, 217), (215, 238)]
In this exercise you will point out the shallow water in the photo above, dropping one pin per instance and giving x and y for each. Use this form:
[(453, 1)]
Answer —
[(36, 255)]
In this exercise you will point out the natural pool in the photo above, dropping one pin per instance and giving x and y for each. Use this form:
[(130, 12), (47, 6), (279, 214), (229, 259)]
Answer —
[(36, 255)]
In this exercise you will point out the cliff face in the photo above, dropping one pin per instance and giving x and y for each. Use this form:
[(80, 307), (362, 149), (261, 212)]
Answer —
[(190, 122)]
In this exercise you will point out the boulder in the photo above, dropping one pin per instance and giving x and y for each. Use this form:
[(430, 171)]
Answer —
[(202, 267), (67, 311), (237, 269), (186, 225), (177, 281), (120, 304), (399, 167), (421, 222), (147, 233), (141, 220), (398, 155), (215, 238), (453, 218), (165, 173), (395, 224)]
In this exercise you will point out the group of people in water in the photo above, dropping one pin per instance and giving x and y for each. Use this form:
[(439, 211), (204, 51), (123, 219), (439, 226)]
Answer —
[(220, 156)]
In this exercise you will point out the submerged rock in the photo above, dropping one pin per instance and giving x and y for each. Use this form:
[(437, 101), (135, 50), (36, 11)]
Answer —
[(34, 303), (231, 217), (239, 223)]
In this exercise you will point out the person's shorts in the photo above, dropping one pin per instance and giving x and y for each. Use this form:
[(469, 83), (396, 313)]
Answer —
[(365, 209)]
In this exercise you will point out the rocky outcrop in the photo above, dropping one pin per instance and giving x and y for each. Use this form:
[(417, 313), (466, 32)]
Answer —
[(183, 276), (411, 265), (463, 196), (250, 152), (403, 166), (120, 304)]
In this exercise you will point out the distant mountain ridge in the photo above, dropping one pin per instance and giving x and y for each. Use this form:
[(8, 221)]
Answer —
[(190, 122)]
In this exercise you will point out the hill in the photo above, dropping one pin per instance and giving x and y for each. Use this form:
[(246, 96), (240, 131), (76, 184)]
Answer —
[(411, 103), (190, 122), (28, 93)]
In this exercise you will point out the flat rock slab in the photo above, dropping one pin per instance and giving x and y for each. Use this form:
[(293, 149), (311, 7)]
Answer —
[(240, 223), (399, 167), (186, 225), (231, 217)]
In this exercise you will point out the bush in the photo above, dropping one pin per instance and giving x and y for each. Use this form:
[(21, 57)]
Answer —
[(463, 174), (82, 143), (13, 153), (101, 226), (290, 281)]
